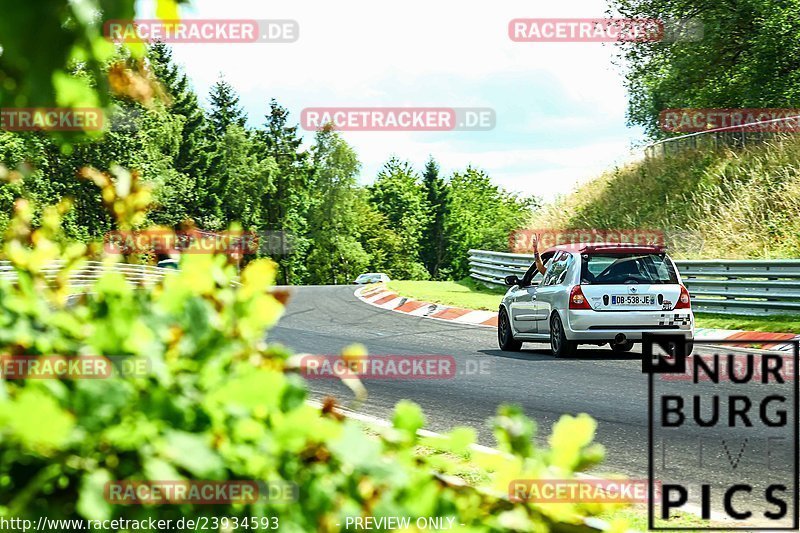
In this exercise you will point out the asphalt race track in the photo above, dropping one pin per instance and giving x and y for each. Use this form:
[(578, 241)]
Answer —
[(609, 387)]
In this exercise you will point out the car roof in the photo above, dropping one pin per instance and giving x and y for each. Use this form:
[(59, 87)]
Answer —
[(605, 248)]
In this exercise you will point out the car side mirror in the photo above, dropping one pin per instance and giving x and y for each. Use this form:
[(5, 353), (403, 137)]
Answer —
[(512, 280)]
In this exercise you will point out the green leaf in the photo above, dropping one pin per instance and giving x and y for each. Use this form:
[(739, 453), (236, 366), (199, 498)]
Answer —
[(247, 429), (514, 431), (192, 452), (259, 389), (157, 469), (132, 432), (355, 448), (72, 91), (408, 418), (37, 420), (92, 503), (570, 436), (460, 439)]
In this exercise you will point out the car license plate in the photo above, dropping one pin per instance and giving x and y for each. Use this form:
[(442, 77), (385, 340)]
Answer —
[(633, 299)]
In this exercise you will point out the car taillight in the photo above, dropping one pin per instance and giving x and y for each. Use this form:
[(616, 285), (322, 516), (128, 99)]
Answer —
[(577, 300), (684, 302)]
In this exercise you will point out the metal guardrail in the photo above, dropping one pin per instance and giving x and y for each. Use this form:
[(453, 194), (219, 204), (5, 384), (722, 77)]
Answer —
[(137, 275), (717, 286)]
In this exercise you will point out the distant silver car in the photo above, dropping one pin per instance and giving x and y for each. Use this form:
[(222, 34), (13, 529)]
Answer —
[(372, 277), (596, 294)]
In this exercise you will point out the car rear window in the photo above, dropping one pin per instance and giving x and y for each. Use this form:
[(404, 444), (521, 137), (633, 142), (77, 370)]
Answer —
[(613, 269)]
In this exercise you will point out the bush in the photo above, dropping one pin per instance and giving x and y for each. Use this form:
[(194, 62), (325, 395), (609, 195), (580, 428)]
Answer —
[(220, 403)]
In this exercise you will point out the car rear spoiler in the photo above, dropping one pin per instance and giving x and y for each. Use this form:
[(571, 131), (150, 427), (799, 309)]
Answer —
[(625, 249)]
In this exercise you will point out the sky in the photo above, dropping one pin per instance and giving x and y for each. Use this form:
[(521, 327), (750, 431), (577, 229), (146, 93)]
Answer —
[(560, 107)]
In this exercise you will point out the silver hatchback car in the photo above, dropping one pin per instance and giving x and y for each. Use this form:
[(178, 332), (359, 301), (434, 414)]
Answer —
[(596, 294)]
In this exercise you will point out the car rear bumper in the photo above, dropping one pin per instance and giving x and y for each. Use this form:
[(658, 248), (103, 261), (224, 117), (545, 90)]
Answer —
[(587, 325)]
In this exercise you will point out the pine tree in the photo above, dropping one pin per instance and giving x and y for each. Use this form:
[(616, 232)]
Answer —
[(225, 108), (197, 155), (225, 112), (193, 155), (288, 202), (434, 239)]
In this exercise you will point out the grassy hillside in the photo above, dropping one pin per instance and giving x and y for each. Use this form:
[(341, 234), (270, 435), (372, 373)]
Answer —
[(735, 204)]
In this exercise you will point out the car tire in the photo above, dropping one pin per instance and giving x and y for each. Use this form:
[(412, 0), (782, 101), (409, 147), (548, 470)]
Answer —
[(622, 348), (505, 337), (559, 345)]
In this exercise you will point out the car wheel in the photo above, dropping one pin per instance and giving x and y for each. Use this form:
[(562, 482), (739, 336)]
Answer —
[(560, 346), (622, 348), (505, 337)]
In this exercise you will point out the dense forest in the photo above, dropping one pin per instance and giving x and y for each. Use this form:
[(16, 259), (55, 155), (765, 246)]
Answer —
[(209, 169)]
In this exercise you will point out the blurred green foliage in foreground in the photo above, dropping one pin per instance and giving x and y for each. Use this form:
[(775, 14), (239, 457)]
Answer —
[(219, 403)]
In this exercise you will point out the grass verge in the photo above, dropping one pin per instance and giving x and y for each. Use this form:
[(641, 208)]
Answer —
[(470, 294), (776, 323), (465, 293)]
